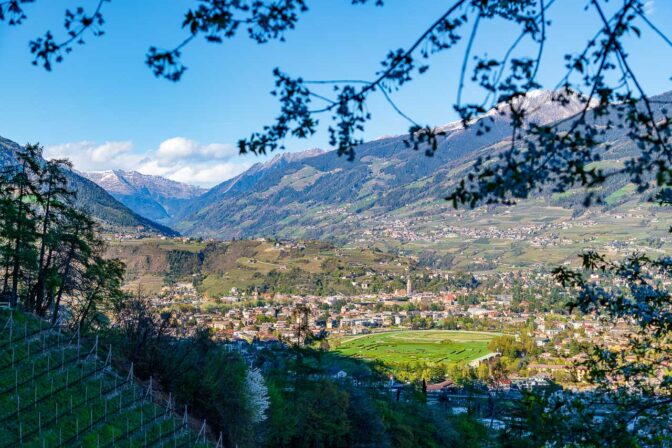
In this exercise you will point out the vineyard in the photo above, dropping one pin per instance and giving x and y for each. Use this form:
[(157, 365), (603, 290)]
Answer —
[(56, 390)]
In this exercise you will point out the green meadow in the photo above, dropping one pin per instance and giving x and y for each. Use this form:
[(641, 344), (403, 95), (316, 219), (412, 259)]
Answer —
[(430, 346)]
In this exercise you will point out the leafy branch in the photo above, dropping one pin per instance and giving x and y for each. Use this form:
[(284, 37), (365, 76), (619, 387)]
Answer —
[(13, 12), (46, 50)]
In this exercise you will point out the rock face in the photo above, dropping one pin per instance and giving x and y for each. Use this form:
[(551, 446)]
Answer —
[(92, 198), (153, 197)]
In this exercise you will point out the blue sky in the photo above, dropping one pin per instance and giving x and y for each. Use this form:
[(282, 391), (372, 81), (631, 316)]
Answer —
[(104, 109)]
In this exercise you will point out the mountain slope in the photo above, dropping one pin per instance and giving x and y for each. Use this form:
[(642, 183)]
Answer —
[(153, 197), (311, 191), (391, 198), (92, 198), (42, 424)]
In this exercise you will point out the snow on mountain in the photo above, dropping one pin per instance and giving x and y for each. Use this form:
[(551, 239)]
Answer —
[(154, 197)]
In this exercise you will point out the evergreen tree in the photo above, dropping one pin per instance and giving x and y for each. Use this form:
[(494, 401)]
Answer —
[(50, 252), (78, 244), (21, 231), (7, 217), (101, 284), (53, 197)]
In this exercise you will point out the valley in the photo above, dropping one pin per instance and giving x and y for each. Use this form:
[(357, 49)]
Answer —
[(322, 224), (310, 247)]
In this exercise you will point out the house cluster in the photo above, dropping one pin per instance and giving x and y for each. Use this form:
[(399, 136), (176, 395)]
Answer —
[(286, 316), (503, 302), (424, 228)]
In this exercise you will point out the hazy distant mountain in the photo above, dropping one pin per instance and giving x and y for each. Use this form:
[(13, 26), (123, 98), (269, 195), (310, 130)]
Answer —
[(153, 197), (92, 198)]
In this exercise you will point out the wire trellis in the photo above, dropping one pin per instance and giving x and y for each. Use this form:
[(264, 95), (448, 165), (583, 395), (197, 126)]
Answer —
[(57, 390)]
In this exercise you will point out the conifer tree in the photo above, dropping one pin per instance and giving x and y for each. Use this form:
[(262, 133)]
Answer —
[(50, 252), (21, 226), (53, 197)]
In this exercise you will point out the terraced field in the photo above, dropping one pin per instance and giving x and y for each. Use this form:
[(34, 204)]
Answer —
[(431, 346), (58, 391)]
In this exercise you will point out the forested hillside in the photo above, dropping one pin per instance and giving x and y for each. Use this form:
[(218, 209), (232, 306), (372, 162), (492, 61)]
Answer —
[(90, 197)]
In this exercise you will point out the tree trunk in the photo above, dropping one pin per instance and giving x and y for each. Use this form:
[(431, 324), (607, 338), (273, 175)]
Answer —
[(61, 289), (41, 268), (90, 299), (17, 250), (45, 302)]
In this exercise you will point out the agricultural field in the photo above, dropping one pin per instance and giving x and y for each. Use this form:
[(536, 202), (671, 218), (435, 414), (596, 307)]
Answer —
[(429, 346), (59, 391), (535, 233), (216, 268)]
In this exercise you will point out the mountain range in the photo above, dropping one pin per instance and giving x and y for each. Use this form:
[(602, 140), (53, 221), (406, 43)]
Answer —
[(317, 194), (153, 197), (93, 198)]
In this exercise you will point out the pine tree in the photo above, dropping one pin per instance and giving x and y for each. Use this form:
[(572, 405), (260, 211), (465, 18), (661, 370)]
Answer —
[(7, 217), (78, 244), (50, 252), (54, 199), (101, 284), (21, 228)]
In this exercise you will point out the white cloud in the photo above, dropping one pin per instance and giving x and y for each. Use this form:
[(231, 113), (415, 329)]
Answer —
[(110, 151), (649, 7), (88, 156), (177, 158), (180, 147), (208, 174), (177, 147)]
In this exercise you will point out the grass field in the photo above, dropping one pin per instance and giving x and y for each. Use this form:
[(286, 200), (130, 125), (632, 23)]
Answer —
[(431, 346)]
